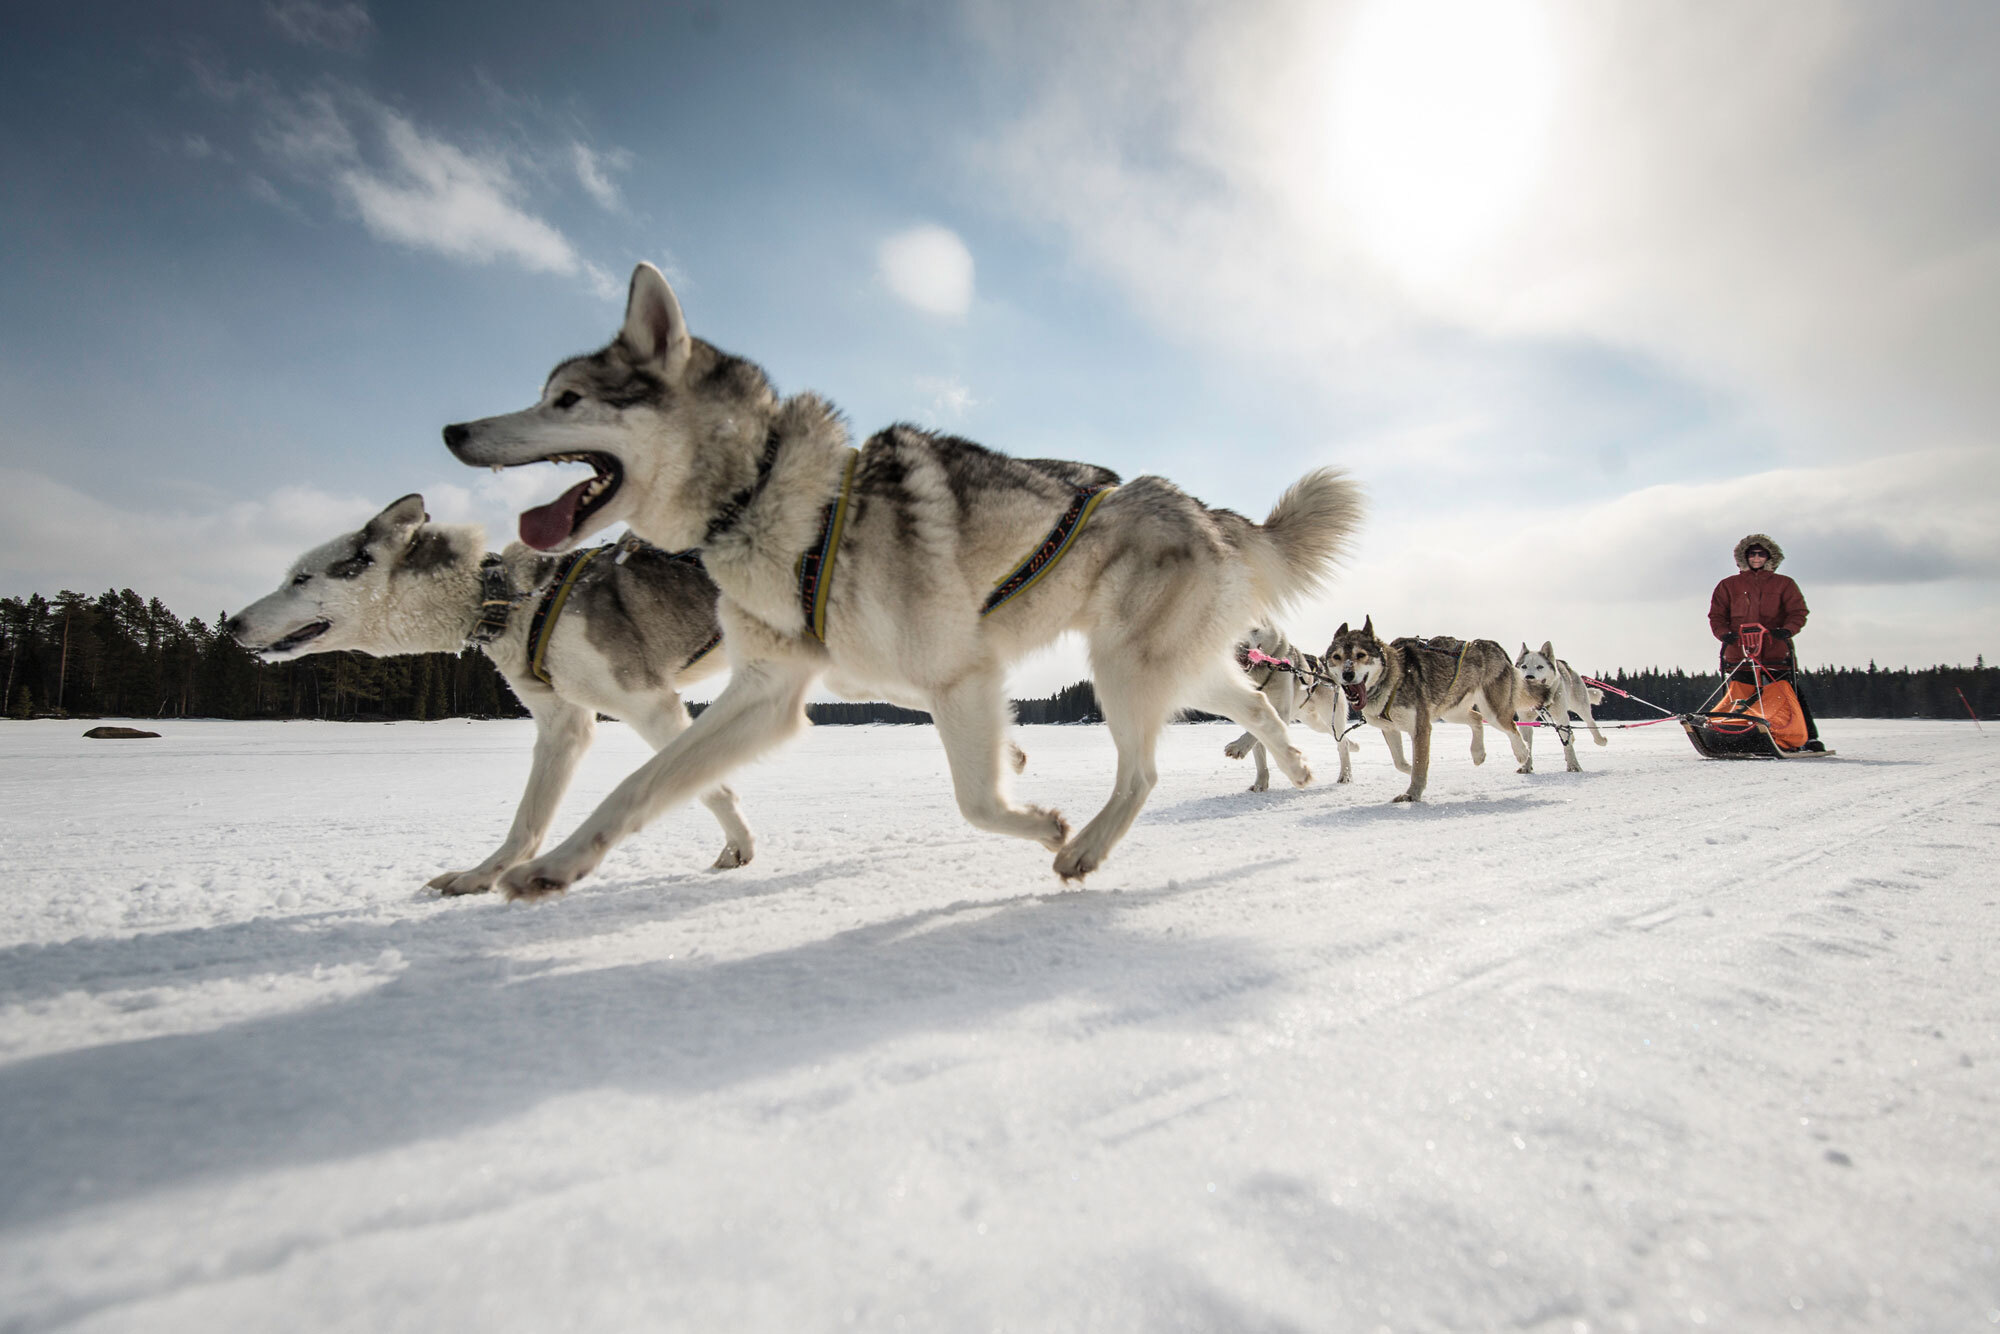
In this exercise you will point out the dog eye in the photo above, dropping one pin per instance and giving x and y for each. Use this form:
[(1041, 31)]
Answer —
[(301, 579), (569, 398)]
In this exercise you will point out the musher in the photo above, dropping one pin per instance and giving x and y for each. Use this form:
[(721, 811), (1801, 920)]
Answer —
[(1755, 612)]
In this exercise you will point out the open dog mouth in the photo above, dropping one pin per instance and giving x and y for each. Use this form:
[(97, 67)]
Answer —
[(1357, 694), (305, 634), (547, 527)]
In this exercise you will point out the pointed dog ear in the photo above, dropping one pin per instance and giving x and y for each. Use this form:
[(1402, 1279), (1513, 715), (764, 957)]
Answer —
[(1368, 626), (1524, 648), (1341, 631), (393, 526), (1549, 651), (655, 331)]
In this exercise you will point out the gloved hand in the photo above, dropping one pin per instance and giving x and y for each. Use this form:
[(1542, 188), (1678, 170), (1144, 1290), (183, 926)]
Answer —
[(1729, 637), (1782, 634)]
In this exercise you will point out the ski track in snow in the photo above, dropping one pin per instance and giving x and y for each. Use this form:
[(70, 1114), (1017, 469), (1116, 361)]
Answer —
[(1665, 1044)]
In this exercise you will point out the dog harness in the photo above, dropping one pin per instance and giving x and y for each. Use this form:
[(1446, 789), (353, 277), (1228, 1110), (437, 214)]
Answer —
[(1053, 548), (816, 562), (497, 600), (556, 596)]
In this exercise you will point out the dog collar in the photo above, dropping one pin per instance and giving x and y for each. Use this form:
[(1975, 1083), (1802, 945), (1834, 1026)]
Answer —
[(732, 509), (497, 600)]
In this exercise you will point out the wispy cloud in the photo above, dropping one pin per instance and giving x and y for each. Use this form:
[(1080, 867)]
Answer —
[(412, 186), (345, 28), (929, 268), (950, 398), (593, 172)]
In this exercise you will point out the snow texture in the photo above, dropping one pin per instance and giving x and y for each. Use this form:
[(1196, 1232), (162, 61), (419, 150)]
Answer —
[(1665, 1044)]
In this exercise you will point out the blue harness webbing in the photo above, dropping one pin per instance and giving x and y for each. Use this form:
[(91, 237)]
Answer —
[(1052, 549)]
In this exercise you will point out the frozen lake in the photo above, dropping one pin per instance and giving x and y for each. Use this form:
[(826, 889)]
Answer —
[(1665, 1044)]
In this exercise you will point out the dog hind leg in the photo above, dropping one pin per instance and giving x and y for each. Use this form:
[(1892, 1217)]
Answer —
[(971, 719)]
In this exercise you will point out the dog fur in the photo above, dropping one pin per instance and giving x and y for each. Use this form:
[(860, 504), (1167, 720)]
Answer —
[(1552, 684), (692, 447), (1316, 704), (1407, 685), (402, 584)]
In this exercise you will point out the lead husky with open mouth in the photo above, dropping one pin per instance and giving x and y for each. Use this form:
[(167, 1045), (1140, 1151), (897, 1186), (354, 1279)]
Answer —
[(913, 570)]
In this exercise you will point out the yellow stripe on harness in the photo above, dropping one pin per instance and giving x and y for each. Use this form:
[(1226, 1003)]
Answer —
[(1051, 551), (816, 565), (551, 610)]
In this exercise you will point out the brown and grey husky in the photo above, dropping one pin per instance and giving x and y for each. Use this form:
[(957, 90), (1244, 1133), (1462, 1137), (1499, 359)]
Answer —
[(914, 570), (627, 637), (1407, 685)]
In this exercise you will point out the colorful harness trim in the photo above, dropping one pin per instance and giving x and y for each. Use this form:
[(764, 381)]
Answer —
[(1052, 549), (543, 627), (816, 564)]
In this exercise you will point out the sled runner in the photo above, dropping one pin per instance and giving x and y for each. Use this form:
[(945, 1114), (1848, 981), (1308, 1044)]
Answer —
[(1754, 714)]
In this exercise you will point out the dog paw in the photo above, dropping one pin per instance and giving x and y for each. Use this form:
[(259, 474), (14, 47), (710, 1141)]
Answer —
[(1600, 740), (1261, 785), (534, 880), (1345, 778), (731, 858), (454, 883), (1236, 750), (1073, 863), (1525, 769), (1405, 796), (1057, 835)]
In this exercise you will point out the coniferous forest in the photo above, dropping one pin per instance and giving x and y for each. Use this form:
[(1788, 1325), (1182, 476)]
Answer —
[(120, 655)]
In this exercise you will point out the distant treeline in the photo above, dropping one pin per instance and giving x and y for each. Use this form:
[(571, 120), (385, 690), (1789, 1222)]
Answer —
[(121, 655)]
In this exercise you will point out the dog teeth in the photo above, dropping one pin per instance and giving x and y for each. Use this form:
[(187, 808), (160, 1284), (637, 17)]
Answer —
[(498, 468)]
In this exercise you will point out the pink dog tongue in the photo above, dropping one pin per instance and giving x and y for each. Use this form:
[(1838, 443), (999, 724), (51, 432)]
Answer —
[(547, 526)]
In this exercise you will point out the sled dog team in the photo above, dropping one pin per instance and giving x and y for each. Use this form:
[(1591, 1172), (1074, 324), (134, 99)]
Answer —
[(913, 568)]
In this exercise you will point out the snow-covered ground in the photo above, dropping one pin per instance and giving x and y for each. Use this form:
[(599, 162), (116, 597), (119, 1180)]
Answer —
[(1666, 1044)]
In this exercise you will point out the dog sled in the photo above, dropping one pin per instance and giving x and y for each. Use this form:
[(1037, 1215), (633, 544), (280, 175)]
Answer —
[(1755, 714)]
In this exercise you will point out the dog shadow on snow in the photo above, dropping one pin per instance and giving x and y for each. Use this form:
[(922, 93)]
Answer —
[(465, 1035)]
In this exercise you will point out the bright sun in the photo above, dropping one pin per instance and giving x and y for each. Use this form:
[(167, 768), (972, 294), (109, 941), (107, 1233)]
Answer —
[(1441, 113)]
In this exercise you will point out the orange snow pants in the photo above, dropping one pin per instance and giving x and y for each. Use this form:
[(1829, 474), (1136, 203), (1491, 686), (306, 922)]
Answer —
[(1779, 708)]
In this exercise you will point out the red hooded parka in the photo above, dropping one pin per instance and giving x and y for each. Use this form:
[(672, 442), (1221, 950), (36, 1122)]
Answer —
[(1757, 597)]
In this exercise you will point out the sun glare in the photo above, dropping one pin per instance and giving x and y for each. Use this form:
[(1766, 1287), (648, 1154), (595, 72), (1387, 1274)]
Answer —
[(1441, 113)]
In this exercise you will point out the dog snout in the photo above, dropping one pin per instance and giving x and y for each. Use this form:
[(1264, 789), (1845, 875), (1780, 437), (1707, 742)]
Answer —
[(455, 436), (232, 626)]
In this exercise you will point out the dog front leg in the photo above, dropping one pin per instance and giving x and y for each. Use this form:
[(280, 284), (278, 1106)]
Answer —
[(763, 704), (1393, 738), (563, 732), (660, 725), (1420, 756)]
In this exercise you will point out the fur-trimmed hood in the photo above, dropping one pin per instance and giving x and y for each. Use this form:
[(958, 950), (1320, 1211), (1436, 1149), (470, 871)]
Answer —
[(1760, 540)]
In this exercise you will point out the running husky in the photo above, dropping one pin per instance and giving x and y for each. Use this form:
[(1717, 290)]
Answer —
[(1552, 689), (1409, 684), (1297, 698), (914, 569), (628, 633)]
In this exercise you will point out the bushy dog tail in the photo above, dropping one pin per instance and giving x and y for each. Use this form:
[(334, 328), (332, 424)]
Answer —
[(1309, 530)]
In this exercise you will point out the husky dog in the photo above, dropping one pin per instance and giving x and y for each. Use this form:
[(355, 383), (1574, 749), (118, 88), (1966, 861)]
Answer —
[(628, 636), (876, 568), (1408, 684), (1552, 688), (1307, 699)]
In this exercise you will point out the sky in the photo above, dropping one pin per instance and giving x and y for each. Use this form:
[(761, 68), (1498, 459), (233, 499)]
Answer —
[(1579, 293)]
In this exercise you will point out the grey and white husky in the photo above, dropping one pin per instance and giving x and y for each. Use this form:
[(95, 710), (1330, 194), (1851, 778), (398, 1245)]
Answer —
[(1406, 685), (629, 635), (876, 569), (1552, 685), (1299, 696)]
